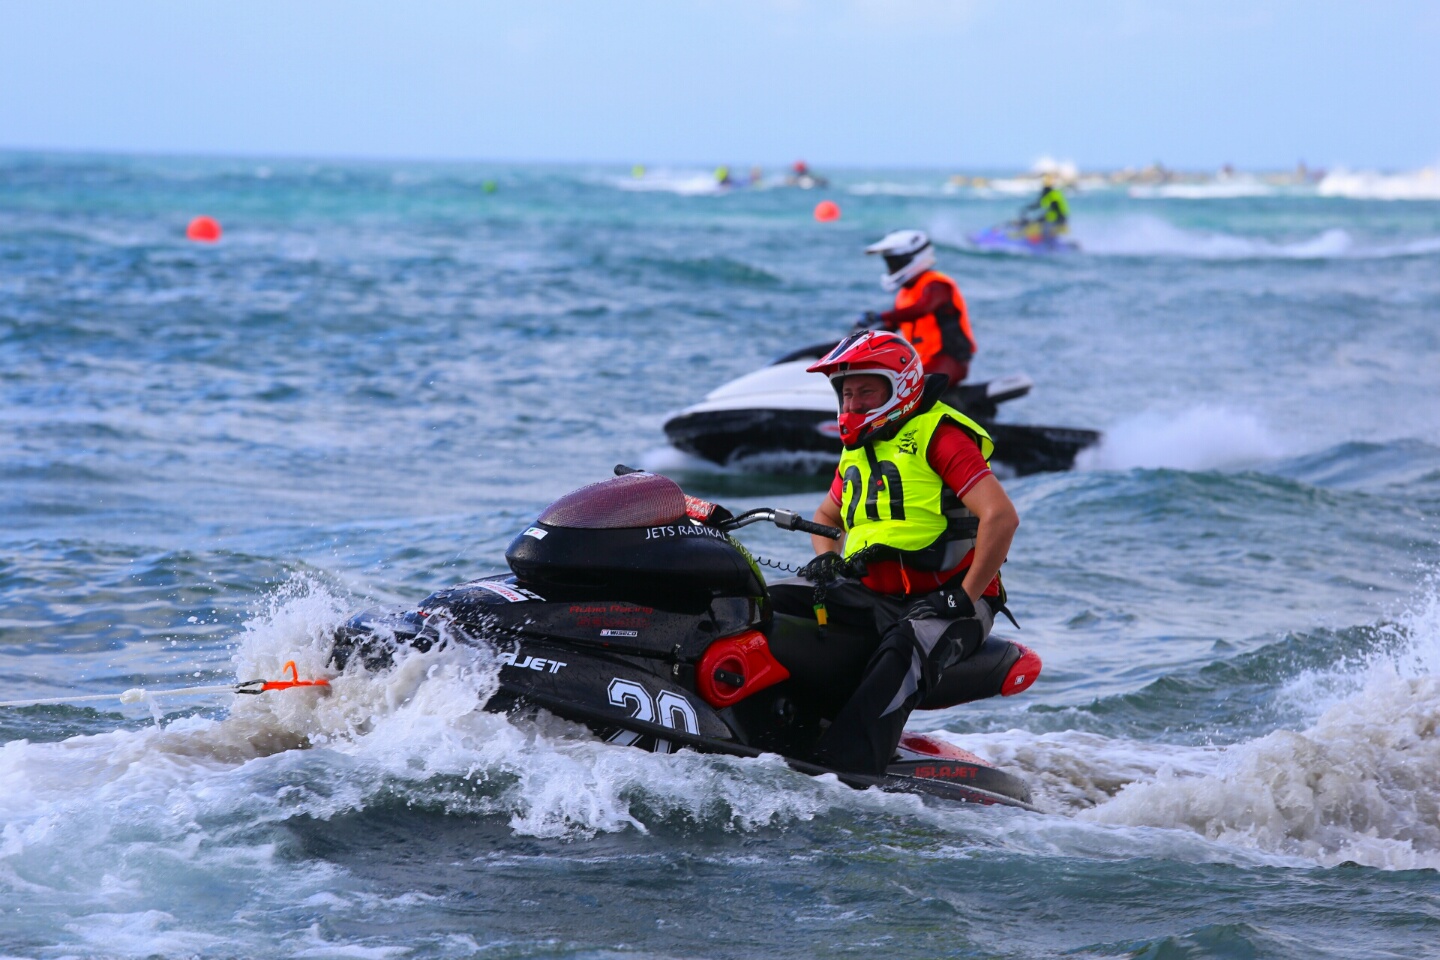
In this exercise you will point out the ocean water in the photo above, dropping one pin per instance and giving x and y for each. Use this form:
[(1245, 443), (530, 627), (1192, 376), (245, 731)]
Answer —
[(211, 455)]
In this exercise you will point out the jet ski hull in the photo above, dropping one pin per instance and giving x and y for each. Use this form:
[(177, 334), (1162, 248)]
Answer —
[(637, 701), (781, 420), (807, 441), (1002, 240)]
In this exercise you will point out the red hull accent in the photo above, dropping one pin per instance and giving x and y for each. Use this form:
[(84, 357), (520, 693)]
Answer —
[(1023, 673), (746, 658), (938, 749)]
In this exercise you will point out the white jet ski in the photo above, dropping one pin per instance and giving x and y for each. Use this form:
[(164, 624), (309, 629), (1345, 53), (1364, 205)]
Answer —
[(780, 419)]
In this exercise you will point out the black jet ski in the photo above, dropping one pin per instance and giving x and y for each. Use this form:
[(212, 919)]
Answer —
[(780, 419), (655, 630)]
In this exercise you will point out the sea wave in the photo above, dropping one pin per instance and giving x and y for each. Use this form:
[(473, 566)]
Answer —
[(1232, 189), (1147, 236), (1423, 184), (1198, 438), (683, 183), (888, 188), (1356, 780)]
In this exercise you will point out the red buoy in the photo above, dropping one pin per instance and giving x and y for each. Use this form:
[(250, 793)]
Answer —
[(203, 230), (827, 210)]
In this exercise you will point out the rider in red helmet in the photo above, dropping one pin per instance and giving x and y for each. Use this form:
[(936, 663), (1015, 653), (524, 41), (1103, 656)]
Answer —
[(927, 526)]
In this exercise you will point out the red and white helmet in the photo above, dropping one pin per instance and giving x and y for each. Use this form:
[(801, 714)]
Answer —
[(879, 353)]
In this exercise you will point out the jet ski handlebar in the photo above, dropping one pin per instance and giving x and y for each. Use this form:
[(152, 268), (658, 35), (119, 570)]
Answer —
[(785, 520)]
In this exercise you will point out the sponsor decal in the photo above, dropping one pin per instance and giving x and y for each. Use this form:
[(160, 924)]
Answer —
[(619, 633), (618, 623), (532, 663), (947, 772), (683, 530), (535, 532), (907, 443), (618, 616), (620, 608), (513, 594)]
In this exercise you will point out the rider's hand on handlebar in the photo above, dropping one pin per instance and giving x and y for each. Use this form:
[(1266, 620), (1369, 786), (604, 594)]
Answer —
[(870, 320), (825, 568)]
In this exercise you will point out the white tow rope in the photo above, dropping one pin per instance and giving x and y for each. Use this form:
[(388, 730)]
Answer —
[(139, 694)]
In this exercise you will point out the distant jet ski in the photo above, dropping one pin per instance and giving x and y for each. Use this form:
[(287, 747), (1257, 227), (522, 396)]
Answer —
[(1015, 238), (780, 419)]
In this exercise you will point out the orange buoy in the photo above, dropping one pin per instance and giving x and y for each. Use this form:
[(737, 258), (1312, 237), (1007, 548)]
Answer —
[(203, 230), (827, 210)]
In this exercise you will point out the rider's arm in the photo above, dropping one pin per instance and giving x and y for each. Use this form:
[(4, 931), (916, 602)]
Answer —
[(954, 455), (998, 522), (933, 297), (827, 513)]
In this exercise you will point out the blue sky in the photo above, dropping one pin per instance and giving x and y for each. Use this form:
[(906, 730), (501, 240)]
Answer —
[(952, 85)]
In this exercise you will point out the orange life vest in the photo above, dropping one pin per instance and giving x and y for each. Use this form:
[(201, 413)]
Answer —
[(924, 334)]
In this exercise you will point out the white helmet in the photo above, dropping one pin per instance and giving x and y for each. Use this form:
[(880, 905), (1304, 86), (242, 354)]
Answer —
[(907, 253)]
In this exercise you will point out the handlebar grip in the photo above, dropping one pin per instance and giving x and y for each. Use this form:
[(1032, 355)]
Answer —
[(790, 520), (621, 470), (809, 526)]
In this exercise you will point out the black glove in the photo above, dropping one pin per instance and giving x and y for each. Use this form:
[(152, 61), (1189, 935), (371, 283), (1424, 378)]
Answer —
[(825, 568), (947, 603), (870, 320)]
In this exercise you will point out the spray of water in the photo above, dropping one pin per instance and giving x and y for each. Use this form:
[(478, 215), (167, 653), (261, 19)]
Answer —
[(1145, 235), (1360, 782), (1200, 438)]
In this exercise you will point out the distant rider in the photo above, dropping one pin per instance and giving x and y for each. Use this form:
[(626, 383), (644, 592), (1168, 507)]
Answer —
[(932, 525), (929, 310), (1053, 211)]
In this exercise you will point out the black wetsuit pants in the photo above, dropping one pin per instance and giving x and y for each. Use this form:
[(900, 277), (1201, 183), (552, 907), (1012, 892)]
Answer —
[(919, 638)]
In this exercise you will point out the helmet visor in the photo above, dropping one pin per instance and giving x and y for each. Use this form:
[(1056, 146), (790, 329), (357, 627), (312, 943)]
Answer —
[(898, 261)]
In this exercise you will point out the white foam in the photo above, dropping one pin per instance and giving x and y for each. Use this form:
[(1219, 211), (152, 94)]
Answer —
[(146, 933), (1199, 438), (1144, 235), (1227, 189), (417, 730), (682, 183), (1360, 783), (884, 188), (86, 809), (1152, 236), (1423, 184), (1009, 187)]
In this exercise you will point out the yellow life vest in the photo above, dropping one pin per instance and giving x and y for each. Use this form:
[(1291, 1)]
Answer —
[(893, 498), (1054, 206)]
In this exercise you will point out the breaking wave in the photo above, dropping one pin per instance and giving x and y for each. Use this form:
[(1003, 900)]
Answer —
[(1201, 438), (1423, 184), (1357, 781), (1145, 236)]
